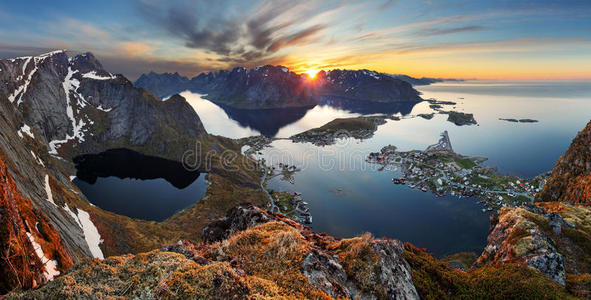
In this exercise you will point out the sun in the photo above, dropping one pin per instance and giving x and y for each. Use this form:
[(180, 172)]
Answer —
[(312, 73)]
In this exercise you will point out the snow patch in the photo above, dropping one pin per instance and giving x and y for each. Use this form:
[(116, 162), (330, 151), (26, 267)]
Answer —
[(48, 190), (71, 84), (26, 130), (48, 54), (284, 69), (100, 107), (50, 265), (37, 159), (94, 75), (21, 90), (91, 234)]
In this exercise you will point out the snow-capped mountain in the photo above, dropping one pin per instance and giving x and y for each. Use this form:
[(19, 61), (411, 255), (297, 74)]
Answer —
[(276, 87)]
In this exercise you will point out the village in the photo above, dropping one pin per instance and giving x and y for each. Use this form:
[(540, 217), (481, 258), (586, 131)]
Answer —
[(440, 170), (292, 205), (288, 203)]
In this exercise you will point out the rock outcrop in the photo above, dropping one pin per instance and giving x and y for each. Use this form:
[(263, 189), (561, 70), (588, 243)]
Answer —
[(517, 235), (359, 268), (238, 218), (277, 87), (571, 177), (554, 238)]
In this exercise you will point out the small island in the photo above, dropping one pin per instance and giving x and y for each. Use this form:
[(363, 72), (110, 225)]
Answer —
[(460, 118), (519, 120), (359, 128), (456, 117)]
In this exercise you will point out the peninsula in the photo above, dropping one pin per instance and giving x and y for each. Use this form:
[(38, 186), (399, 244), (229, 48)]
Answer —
[(440, 170)]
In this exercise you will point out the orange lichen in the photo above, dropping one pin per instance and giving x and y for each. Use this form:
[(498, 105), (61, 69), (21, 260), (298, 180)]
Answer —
[(19, 264)]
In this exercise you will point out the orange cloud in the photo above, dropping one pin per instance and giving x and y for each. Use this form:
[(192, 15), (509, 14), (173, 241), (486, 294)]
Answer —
[(136, 48)]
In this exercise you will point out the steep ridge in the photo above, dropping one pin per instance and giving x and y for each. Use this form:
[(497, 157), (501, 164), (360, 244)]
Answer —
[(571, 177), (276, 87), (79, 107), (32, 251), (54, 108)]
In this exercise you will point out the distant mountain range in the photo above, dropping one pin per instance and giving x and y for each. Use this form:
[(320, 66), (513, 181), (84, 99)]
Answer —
[(422, 80), (277, 87)]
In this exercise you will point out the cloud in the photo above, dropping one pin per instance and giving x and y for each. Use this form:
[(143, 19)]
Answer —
[(443, 31), (136, 48), (237, 34), (501, 46), (15, 50)]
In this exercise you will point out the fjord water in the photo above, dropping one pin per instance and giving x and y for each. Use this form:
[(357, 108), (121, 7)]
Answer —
[(347, 196)]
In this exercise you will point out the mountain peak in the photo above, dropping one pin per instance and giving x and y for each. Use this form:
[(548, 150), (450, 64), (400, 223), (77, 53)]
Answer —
[(270, 86)]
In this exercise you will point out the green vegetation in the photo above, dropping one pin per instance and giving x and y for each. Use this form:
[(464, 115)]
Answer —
[(283, 201), (348, 124), (360, 260), (464, 259), (152, 275), (465, 163)]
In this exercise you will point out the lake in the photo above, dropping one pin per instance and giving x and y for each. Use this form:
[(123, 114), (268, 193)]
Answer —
[(138, 186)]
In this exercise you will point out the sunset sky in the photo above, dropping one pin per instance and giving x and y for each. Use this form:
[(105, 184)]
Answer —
[(502, 39)]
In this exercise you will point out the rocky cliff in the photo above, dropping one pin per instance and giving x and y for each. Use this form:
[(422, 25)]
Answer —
[(56, 107), (553, 238), (277, 87), (571, 177)]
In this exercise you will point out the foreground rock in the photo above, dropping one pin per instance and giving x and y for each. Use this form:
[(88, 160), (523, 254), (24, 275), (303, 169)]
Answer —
[(250, 253), (552, 238), (516, 235)]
